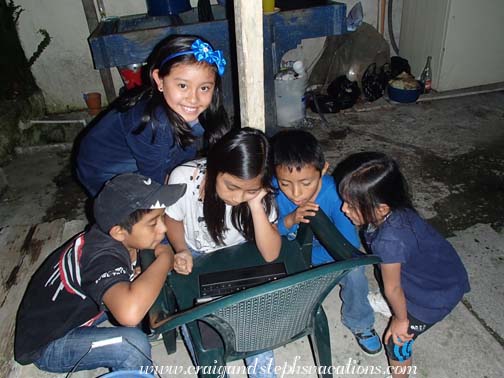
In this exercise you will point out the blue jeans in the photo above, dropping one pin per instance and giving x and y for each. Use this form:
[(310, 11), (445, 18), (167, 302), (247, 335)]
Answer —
[(61, 355), (356, 312), (257, 365)]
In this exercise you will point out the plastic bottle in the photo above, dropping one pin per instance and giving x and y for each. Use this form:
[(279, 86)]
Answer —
[(289, 95), (298, 68), (101, 9), (426, 76)]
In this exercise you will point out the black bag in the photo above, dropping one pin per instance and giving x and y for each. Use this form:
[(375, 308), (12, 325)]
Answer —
[(374, 81)]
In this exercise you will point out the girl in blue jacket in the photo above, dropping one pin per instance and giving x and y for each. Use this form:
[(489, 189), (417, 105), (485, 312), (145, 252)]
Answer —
[(164, 123)]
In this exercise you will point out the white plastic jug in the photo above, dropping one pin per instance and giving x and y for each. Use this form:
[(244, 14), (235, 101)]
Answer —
[(290, 101)]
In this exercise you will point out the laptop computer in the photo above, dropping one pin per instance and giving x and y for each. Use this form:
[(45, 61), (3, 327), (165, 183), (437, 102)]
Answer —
[(216, 284)]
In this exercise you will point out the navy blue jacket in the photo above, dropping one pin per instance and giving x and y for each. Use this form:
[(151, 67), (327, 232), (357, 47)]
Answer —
[(110, 148)]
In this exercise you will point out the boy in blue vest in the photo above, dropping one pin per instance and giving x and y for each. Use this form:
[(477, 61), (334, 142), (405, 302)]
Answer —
[(93, 276), (304, 188)]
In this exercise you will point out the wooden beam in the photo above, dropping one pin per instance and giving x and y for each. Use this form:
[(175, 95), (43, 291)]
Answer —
[(249, 49), (383, 11), (105, 74)]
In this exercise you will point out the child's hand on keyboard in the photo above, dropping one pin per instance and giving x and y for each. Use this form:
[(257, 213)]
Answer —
[(183, 262)]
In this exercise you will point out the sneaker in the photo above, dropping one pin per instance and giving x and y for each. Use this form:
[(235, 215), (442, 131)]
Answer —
[(369, 342), (379, 304), (155, 338)]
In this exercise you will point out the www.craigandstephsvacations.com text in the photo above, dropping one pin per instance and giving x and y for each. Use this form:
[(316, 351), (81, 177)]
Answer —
[(293, 369)]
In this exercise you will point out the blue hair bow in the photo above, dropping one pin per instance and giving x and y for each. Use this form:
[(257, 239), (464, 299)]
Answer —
[(202, 51)]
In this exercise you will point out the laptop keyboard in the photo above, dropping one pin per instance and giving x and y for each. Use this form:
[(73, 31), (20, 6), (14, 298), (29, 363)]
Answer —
[(217, 284)]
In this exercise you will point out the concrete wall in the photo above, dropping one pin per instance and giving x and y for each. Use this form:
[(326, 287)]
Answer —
[(65, 69)]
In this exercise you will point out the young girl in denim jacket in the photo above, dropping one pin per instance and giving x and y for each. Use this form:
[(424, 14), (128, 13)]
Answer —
[(155, 128)]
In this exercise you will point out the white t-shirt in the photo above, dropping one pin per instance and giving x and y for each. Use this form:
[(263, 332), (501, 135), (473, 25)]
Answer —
[(189, 209)]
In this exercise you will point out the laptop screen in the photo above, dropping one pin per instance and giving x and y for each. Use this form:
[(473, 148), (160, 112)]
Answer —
[(216, 284)]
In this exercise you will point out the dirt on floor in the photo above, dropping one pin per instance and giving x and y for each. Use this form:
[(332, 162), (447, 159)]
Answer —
[(476, 182), (69, 198)]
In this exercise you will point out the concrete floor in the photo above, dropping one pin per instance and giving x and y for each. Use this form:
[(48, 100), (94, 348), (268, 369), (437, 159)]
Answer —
[(451, 151)]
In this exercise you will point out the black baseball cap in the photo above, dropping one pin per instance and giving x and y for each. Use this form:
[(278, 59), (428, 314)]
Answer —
[(128, 192)]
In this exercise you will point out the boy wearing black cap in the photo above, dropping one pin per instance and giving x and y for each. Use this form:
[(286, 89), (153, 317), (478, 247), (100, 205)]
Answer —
[(93, 274)]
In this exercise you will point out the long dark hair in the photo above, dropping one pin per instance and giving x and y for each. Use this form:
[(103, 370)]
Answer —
[(244, 153), (371, 179), (214, 119)]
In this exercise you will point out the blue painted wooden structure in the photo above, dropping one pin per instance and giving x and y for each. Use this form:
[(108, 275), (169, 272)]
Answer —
[(127, 40)]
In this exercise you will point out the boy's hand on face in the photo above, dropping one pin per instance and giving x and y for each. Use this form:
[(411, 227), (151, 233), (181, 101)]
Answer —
[(183, 262), (163, 249), (299, 215)]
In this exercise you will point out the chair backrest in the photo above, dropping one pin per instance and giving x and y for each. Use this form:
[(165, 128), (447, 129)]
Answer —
[(331, 238), (276, 313), (272, 314), (328, 235)]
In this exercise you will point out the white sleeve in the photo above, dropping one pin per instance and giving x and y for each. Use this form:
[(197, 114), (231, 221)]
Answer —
[(273, 216), (179, 209)]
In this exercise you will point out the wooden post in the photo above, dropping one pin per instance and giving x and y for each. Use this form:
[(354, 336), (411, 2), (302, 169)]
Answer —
[(249, 49), (105, 74), (383, 11)]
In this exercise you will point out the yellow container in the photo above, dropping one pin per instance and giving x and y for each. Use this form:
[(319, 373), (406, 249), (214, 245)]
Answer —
[(268, 6)]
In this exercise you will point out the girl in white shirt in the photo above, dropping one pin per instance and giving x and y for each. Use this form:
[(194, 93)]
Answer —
[(228, 201)]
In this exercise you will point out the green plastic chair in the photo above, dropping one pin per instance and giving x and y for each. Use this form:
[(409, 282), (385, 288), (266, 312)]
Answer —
[(267, 316)]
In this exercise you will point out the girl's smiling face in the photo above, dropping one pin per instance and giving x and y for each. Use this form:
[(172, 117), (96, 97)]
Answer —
[(234, 190), (188, 88)]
